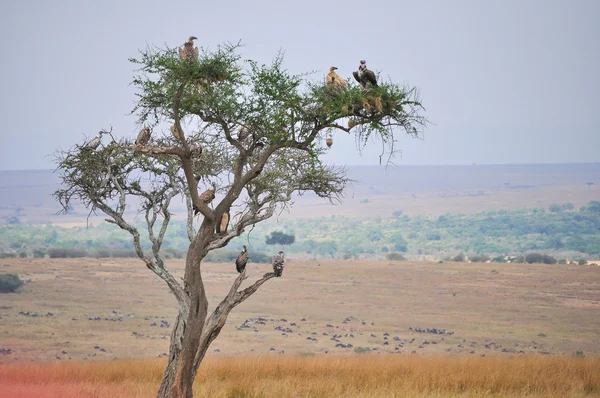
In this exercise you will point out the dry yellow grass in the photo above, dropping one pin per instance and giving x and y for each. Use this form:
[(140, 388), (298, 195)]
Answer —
[(322, 376)]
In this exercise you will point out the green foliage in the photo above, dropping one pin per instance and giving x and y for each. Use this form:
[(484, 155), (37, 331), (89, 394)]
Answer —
[(539, 258), (459, 258), (395, 257), (479, 258), (61, 252), (10, 283), (280, 238), (362, 350)]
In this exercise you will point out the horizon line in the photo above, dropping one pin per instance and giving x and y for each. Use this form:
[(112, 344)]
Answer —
[(404, 165)]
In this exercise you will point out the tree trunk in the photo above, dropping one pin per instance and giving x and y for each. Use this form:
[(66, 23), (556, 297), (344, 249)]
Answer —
[(178, 378)]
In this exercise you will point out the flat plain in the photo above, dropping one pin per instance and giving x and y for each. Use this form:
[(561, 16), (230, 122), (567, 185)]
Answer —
[(84, 309)]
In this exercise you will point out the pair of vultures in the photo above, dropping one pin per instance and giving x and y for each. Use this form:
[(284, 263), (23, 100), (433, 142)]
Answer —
[(363, 75), (277, 262)]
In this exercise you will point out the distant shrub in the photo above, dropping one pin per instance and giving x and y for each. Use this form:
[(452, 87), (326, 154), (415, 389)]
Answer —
[(435, 235), (59, 252), (562, 261), (10, 283), (579, 354), (39, 253), (280, 238), (479, 258), (498, 259), (568, 206), (581, 261), (459, 257), (8, 255), (555, 208), (395, 257), (397, 214), (23, 255), (362, 350), (539, 258), (347, 256)]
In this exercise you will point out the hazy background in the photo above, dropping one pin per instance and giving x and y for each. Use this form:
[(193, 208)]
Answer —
[(503, 81)]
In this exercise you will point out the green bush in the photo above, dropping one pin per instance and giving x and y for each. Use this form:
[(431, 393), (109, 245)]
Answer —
[(10, 283), (479, 258), (362, 350), (539, 258), (59, 252), (395, 257), (8, 255), (459, 258)]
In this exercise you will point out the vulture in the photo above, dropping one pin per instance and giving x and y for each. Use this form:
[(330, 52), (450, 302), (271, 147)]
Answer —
[(278, 263), (334, 80), (178, 134), (144, 136), (95, 143), (364, 75), (189, 52), (222, 226), (242, 259), (206, 197)]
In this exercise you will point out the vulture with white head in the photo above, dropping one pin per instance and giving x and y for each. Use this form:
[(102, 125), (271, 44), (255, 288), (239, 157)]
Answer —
[(365, 75)]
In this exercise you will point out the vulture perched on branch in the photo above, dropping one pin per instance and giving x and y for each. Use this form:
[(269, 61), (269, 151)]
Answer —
[(242, 259), (206, 197), (95, 143), (222, 226), (278, 261), (334, 80), (177, 133), (364, 75), (144, 136), (189, 51)]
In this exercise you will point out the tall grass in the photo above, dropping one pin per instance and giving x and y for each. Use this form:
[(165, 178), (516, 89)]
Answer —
[(338, 376)]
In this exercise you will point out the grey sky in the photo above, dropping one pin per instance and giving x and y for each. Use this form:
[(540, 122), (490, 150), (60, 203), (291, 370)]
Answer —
[(503, 81)]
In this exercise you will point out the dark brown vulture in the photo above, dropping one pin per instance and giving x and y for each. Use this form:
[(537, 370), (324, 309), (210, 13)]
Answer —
[(222, 226), (278, 261), (242, 259), (364, 75), (334, 80), (206, 197), (144, 136), (189, 51)]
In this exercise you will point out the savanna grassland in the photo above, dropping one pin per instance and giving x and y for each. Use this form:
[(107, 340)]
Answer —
[(326, 328), (321, 376)]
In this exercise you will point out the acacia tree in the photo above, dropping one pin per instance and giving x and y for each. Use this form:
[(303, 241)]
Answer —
[(254, 131)]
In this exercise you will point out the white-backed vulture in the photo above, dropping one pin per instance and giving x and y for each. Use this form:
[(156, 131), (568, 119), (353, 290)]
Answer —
[(94, 143), (144, 136), (189, 51), (278, 261), (206, 197), (242, 259), (334, 80)]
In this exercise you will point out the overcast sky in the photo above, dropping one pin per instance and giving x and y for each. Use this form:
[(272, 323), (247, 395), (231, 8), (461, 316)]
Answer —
[(503, 81)]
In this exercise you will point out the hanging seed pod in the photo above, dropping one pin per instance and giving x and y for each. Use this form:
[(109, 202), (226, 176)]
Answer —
[(329, 142)]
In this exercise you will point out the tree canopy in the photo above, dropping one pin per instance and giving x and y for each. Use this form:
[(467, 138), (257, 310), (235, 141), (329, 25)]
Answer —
[(248, 135)]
